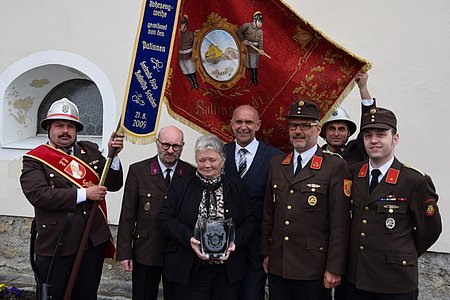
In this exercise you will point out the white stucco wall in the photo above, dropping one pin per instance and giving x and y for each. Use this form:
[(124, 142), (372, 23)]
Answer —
[(407, 42)]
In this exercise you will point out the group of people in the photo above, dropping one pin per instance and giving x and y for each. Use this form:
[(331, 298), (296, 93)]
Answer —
[(348, 216)]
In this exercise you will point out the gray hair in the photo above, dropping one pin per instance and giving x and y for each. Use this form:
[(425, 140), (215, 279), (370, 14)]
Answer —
[(210, 142)]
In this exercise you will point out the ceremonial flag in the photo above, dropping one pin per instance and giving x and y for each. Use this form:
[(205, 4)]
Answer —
[(149, 69), (260, 53)]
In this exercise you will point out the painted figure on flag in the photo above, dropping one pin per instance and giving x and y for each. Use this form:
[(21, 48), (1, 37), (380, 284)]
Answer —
[(185, 53), (251, 35)]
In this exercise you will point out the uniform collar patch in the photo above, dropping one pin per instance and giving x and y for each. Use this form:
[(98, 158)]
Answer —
[(316, 162), (392, 176), (363, 170), (287, 159)]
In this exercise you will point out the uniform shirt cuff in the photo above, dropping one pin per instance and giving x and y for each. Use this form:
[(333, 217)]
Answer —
[(115, 164), (367, 102), (81, 195)]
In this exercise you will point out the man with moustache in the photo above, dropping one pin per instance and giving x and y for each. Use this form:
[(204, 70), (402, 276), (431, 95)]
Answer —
[(140, 244), (247, 160), (395, 217), (306, 220), (339, 127), (60, 179)]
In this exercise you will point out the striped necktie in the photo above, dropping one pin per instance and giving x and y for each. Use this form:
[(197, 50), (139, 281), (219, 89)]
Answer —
[(242, 162)]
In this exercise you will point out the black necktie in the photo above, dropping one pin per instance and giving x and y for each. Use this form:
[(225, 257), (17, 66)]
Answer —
[(374, 181), (299, 165), (242, 162), (167, 178)]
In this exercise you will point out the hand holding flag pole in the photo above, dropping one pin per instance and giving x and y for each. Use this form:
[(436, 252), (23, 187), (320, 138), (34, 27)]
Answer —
[(112, 151)]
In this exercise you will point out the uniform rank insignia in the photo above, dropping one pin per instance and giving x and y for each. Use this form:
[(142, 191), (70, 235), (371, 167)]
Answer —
[(392, 176), (287, 159), (347, 187), (316, 162), (363, 170)]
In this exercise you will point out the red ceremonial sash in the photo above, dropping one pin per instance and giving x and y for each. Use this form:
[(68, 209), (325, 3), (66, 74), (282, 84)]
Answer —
[(75, 170), (69, 166)]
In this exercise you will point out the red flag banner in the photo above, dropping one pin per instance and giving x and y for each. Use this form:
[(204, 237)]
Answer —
[(260, 53)]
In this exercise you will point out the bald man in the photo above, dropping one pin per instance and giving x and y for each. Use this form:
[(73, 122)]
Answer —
[(140, 244), (251, 170)]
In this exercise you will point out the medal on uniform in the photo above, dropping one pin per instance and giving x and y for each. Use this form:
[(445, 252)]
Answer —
[(147, 206), (312, 200), (390, 223)]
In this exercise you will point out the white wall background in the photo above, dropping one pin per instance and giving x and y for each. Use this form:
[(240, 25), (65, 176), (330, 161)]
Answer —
[(407, 42)]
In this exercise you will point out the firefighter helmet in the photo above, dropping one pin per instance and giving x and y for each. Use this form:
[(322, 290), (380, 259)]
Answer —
[(62, 109)]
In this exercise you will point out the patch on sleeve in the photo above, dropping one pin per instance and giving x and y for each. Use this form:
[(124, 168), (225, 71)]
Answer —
[(430, 207), (347, 187)]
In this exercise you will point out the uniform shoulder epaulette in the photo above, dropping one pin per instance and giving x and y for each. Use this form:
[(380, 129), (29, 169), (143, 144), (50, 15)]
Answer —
[(332, 153), (415, 169)]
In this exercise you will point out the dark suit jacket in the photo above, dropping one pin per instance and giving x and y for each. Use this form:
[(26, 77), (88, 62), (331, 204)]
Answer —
[(138, 237), (256, 177), (391, 228), (52, 196), (306, 220), (177, 219)]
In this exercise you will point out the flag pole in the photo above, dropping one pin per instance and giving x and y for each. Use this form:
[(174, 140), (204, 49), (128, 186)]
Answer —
[(87, 229)]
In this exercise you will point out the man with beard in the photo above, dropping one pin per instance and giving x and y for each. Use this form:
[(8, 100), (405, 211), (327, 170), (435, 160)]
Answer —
[(247, 160), (140, 244), (339, 127), (60, 179), (306, 220)]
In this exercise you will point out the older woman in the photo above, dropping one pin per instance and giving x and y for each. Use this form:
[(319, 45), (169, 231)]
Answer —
[(207, 196)]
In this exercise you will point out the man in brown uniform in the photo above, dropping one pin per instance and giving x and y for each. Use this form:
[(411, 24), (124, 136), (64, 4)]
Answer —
[(60, 179), (306, 221), (251, 34), (140, 244), (395, 217)]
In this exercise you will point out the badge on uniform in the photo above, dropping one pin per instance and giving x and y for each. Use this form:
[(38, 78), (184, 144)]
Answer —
[(430, 210), (390, 223), (347, 187), (312, 200)]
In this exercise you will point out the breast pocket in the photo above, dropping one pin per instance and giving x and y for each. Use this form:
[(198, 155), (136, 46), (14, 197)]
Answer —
[(313, 196), (150, 202)]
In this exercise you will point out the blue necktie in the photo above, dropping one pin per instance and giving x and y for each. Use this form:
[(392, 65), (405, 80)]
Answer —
[(242, 162)]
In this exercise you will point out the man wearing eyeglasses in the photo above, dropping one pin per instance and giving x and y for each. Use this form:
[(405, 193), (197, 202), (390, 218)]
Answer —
[(140, 244), (306, 220)]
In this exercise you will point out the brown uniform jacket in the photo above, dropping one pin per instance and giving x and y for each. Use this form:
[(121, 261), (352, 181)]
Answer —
[(391, 228), (138, 236), (306, 220), (52, 196)]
